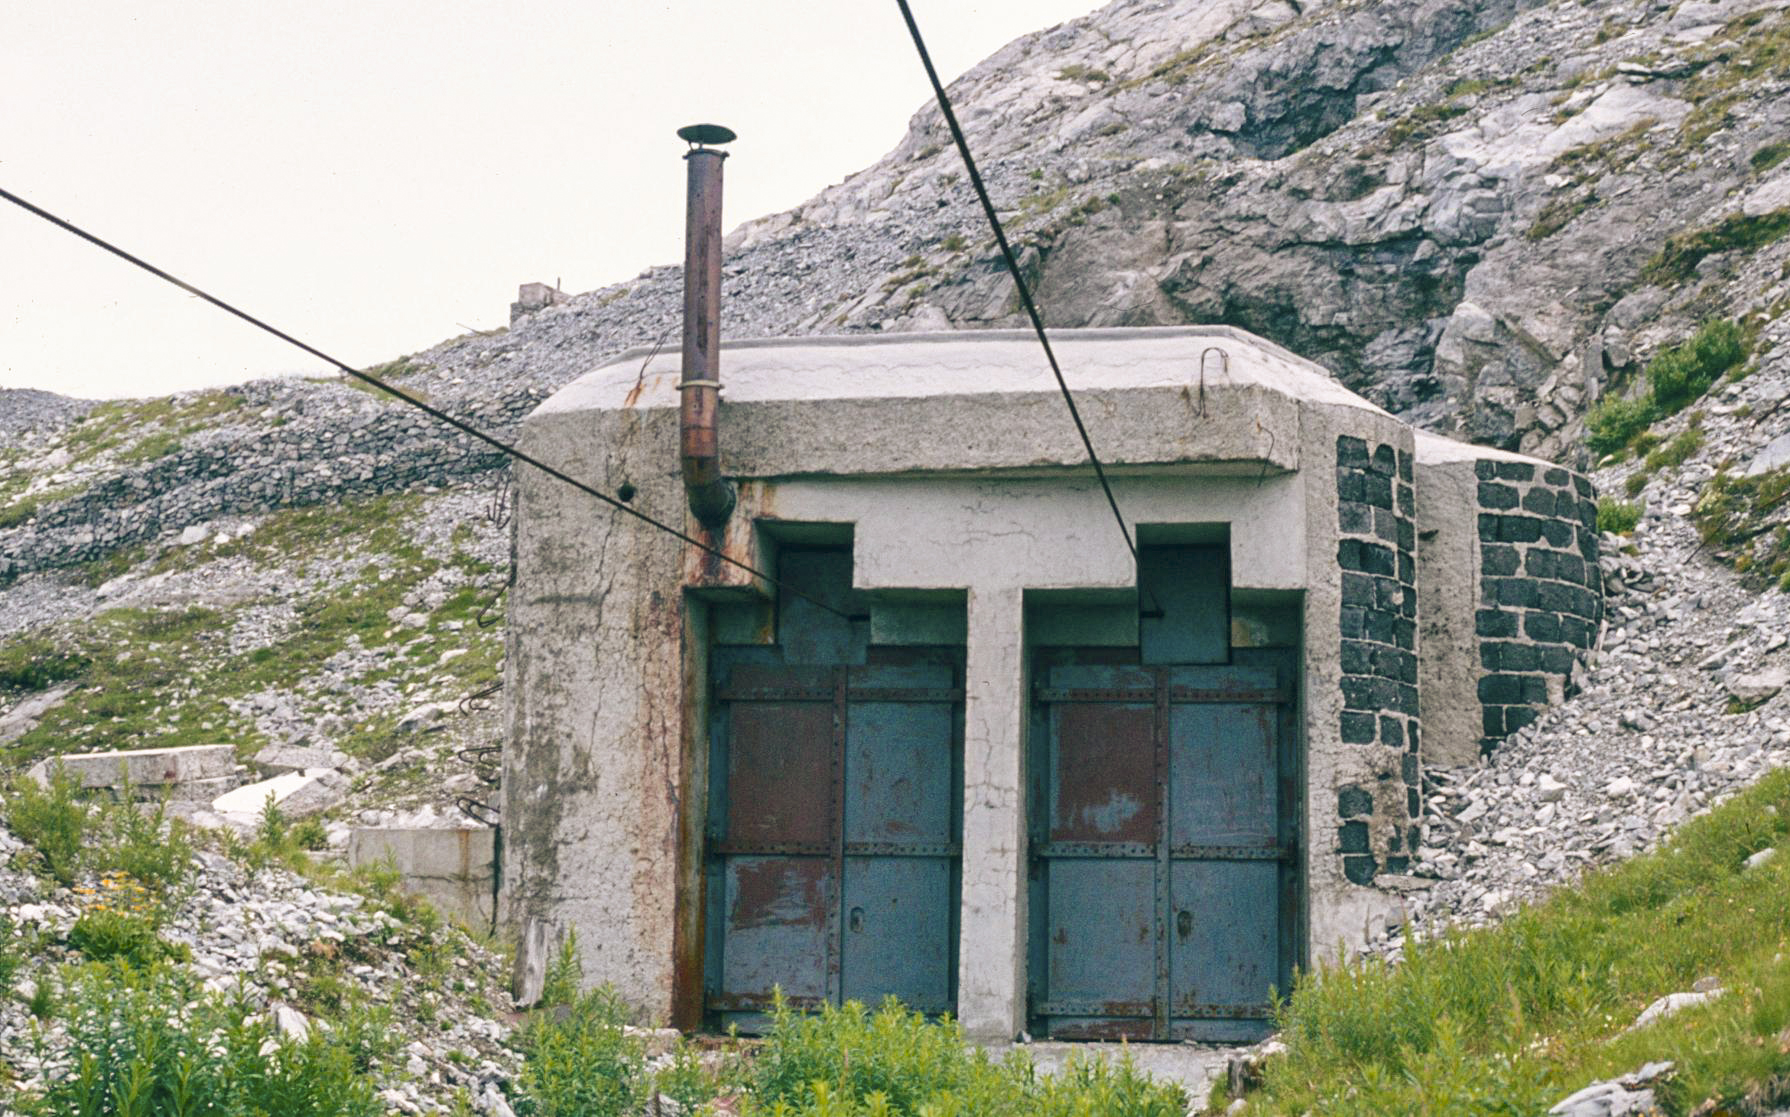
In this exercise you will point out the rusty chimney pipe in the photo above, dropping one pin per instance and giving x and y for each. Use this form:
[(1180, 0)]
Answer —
[(711, 495)]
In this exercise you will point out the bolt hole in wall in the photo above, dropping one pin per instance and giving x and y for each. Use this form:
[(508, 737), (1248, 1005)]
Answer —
[(1162, 759)]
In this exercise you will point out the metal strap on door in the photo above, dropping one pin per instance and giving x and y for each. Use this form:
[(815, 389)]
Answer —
[(1161, 697)]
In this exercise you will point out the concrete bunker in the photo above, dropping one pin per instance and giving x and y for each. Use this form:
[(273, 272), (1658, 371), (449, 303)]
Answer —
[(973, 753)]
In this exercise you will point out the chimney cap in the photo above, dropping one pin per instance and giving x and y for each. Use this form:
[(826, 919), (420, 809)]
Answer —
[(698, 135)]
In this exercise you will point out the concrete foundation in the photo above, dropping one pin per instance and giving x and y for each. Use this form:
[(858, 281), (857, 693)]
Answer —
[(949, 467), (192, 771), (455, 870)]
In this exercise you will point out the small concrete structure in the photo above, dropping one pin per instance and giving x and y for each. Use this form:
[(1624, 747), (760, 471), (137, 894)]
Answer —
[(968, 748), (187, 772), (454, 869), (531, 297)]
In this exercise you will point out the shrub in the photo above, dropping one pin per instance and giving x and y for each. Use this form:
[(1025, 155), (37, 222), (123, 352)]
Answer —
[(580, 1061), (152, 1044), (105, 934), (145, 844), (52, 821), (893, 1063), (36, 664), (1617, 516), (1615, 422), (9, 955), (1676, 452), (1681, 374)]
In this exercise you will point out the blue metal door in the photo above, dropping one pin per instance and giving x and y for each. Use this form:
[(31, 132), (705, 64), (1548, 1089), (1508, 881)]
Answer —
[(834, 821), (1162, 840)]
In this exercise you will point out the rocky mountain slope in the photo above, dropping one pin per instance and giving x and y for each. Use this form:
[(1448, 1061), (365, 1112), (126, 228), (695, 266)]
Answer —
[(1500, 218)]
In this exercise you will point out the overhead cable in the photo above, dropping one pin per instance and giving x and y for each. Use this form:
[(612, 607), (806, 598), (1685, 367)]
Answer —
[(1019, 281), (407, 398)]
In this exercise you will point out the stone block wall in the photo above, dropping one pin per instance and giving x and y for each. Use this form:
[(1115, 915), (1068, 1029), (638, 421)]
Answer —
[(1377, 551), (1540, 590)]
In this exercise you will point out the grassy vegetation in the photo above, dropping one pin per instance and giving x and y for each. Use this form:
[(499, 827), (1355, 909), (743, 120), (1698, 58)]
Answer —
[(167, 677), (1770, 156), (1677, 261), (1735, 515), (840, 1062), (1675, 378), (1508, 1020), (1075, 71), (143, 430), (1752, 51), (1618, 516)]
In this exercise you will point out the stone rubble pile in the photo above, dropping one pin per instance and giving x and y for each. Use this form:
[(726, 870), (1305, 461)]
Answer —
[(264, 935)]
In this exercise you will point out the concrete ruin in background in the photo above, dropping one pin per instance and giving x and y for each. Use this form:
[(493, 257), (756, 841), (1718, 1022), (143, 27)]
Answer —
[(1090, 810)]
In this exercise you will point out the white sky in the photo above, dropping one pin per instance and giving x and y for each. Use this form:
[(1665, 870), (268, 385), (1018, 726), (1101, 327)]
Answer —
[(373, 175)]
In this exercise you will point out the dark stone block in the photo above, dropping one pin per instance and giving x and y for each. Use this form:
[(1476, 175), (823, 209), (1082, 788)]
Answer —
[(1558, 533), (1353, 623), (1397, 864), (1407, 500), (1348, 554), (1535, 691), (1357, 729), (1376, 559), (1497, 497), (1556, 477), (1516, 717), (1500, 560), (1392, 732), (1495, 622), (1405, 464), (1411, 735), (1351, 837), (1404, 634), (1500, 689), (1578, 632), (1389, 596), (1516, 471), (1558, 598), (1539, 562), (1407, 536), (1582, 485), (1485, 469), (1556, 660), (1408, 608), (1519, 593), (1358, 589), (1385, 526), (1539, 501), (1488, 527), (1369, 694), (1376, 490), (1492, 718), (1360, 870), (1385, 460), (1519, 529), (1380, 626), (1357, 657), (1408, 700), (1407, 569), (1414, 836), (1408, 770), (1542, 626), (1354, 519), (1349, 488), (1351, 452), (1353, 801)]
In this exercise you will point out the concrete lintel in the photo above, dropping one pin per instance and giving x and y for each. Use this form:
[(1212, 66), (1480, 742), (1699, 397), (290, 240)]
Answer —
[(142, 767)]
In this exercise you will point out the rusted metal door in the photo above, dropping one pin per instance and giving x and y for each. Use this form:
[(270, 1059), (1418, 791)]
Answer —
[(1162, 839), (833, 849)]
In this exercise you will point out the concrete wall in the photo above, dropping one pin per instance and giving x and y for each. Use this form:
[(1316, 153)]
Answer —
[(455, 870), (1511, 591)]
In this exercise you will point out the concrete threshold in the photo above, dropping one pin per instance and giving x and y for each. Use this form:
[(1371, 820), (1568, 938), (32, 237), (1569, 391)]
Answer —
[(1192, 1066)]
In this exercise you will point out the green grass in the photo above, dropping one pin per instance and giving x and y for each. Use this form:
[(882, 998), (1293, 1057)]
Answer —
[(1617, 516), (143, 430), (1677, 261), (1075, 71), (1675, 378), (1511, 1019), (147, 678), (1770, 156)]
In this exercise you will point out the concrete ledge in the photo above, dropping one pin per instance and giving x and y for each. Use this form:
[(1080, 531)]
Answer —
[(144, 768), (456, 870)]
